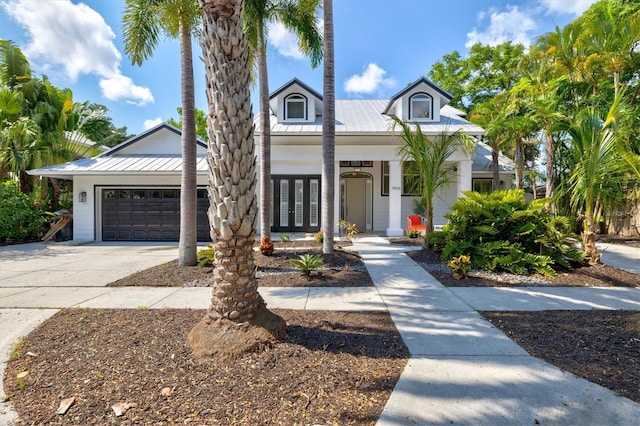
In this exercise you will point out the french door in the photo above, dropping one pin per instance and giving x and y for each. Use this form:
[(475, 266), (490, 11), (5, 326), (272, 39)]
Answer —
[(295, 203)]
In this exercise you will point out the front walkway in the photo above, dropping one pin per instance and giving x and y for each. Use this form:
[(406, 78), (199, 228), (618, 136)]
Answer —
[(462, 370)]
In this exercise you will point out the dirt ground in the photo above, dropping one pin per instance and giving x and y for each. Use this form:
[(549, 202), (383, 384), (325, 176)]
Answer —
[(334, 367)]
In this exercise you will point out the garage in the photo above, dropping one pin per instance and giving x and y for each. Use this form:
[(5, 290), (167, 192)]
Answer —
[(148, 214)]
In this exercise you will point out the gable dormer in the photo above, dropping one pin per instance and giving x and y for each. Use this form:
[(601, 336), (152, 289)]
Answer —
[(420, 102), (295, 102)]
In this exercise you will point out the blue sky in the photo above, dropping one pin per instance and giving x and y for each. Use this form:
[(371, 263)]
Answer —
[(380, 46)]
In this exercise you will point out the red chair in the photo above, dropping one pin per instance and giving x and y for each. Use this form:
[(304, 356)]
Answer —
[(415, 222)]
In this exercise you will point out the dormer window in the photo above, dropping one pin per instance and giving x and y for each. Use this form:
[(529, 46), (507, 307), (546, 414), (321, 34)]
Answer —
[(421, 107), (295, 107)]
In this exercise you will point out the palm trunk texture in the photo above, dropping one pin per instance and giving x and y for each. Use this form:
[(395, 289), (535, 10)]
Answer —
[(237, 320), (188, 244), (328, 132)]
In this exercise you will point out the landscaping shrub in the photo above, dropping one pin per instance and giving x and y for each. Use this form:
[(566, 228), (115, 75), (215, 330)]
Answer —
[(22, 218), (502, 231)]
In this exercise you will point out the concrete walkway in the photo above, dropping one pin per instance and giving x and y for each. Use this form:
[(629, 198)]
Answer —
[(462, 369)]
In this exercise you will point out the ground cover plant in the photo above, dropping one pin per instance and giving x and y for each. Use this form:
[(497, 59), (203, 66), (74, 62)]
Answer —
[(501, 231)]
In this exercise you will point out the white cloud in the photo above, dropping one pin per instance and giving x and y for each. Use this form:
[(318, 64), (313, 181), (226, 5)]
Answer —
[(152, 122), (513, 24), (75, 39), (285, 42), (565, 7), (120, 87), (370, 81)]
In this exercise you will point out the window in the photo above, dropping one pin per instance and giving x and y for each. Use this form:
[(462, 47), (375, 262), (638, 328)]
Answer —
[(295, 107), (410, 180), (420, 106), (483, 186)]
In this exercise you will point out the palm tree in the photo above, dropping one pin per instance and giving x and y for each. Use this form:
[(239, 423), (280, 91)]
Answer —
[(491, 116), (601, 173), (426, 159), (299, 16), (142, 23), (328, 131), (237, 320)]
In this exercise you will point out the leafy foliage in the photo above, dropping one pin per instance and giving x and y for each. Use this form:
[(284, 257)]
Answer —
[(307, 263), (21, 215), (206, 256), (349, 229), (501, 231)]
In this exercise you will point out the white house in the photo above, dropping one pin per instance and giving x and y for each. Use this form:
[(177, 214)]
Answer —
[(131, 192)]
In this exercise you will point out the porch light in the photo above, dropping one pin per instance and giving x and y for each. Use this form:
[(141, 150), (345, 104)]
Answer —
[(83, 197), (356, 169)]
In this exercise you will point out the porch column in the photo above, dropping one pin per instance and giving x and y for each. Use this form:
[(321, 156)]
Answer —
[(336, 201), (395, 199), (464, 176)]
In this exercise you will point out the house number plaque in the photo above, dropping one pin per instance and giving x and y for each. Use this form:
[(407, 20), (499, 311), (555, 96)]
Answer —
[(395, 188)]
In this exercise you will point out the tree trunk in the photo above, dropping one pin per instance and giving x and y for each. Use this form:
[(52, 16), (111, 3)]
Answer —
[(519, 162), (328, 132), (237, 320), (495, 167), (265, 138), (550, 155), (188, 245)]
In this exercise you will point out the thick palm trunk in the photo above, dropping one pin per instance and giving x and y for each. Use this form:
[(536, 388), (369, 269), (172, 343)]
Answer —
[(328, 132), (237, 319), (265, 139), (188, 245)]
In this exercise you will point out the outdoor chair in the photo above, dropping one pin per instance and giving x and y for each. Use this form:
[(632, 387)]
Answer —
[(416, 223)]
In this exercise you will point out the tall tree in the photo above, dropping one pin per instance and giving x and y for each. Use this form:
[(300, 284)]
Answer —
[(300, 17), (426, 159), (491, 116), (237, 320), (601, 175), (38, 121), (143, 22), (328, 132)]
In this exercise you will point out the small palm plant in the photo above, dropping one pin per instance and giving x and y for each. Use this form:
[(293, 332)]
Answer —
[(206, 256), (307, 263)]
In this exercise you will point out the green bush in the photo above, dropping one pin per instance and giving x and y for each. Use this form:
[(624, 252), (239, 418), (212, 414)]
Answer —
[(502, 231), (21, 215)]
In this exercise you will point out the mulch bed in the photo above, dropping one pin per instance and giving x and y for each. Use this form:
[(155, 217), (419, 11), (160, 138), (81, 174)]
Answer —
[(342, 268), (585, 276), (600, 346), (333, 368)]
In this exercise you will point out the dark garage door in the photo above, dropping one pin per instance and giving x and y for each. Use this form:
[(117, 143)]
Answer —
[(148, 215)]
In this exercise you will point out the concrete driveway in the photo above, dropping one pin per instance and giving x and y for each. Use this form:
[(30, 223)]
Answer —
[(68, 265)]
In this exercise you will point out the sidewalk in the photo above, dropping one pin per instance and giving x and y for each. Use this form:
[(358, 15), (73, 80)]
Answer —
[(462, 370)]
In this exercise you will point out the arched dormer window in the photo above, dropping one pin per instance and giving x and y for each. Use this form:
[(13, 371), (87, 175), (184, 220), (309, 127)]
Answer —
[(295, 107), (421, 107)]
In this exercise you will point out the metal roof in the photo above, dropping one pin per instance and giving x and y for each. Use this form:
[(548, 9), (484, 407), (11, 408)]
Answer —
[(482, 160), (364, 116), (121, 164)]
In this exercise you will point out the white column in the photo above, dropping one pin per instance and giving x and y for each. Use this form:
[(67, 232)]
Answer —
[(464, 176), (336, 201), (395, 199)]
